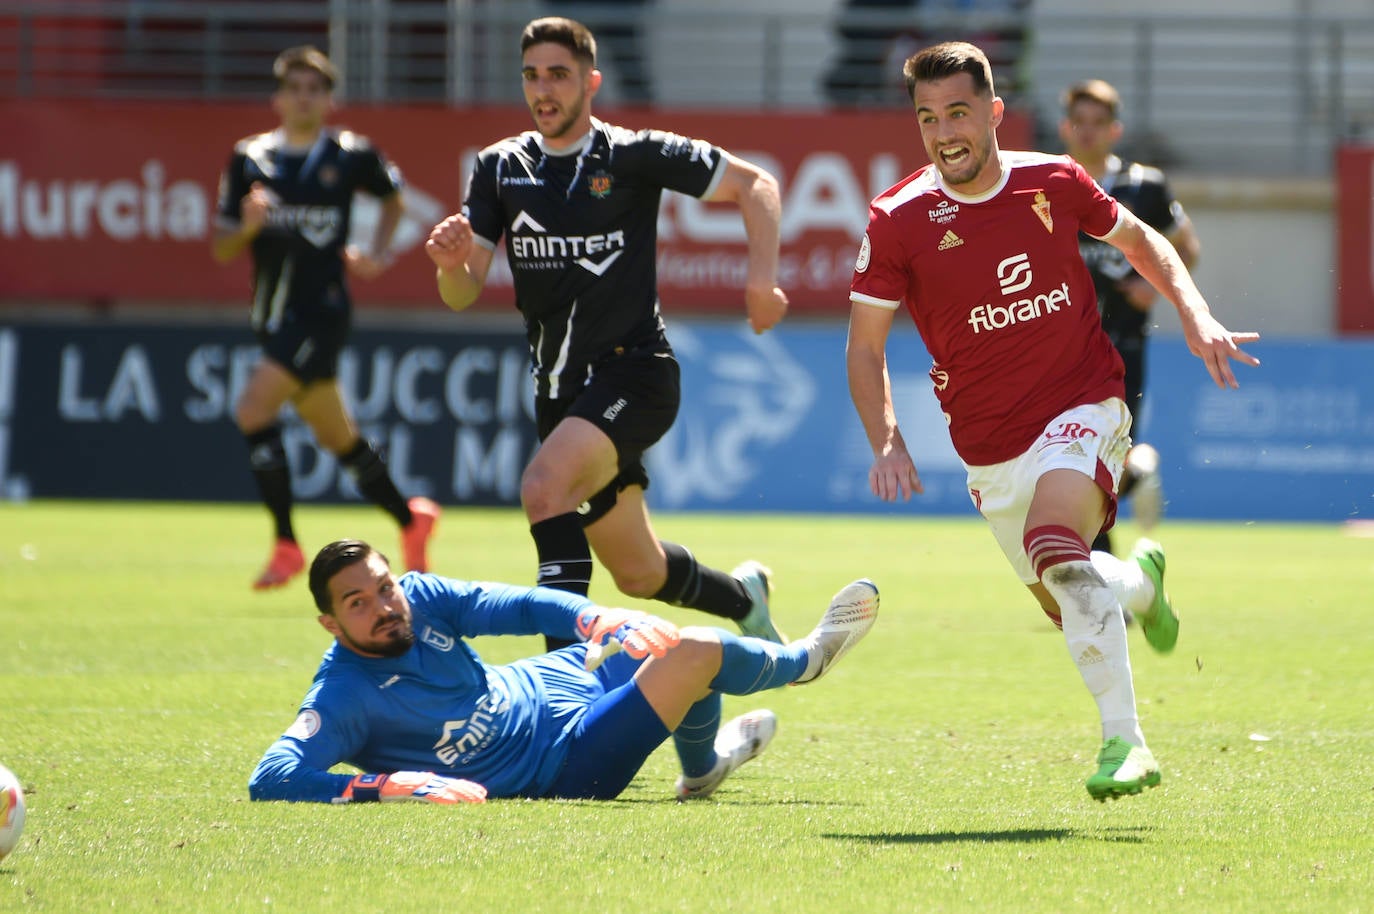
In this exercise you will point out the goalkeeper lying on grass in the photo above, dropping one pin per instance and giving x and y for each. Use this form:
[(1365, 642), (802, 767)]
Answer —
[(403, 697)]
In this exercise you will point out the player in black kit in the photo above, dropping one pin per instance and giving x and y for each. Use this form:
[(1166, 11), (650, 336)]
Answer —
[(577, 201), (287, 196), (1091, 128)]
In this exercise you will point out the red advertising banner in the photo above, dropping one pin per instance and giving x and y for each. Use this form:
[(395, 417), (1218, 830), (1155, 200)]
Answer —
[(113, 201), (1355, 239)]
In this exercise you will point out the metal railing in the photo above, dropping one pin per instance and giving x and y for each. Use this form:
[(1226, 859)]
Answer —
[(1270, 95), (1257, 95), (464, 51)]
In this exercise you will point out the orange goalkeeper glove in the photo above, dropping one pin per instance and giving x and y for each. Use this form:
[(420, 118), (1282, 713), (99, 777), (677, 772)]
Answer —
[(607, 631), (413, 785)]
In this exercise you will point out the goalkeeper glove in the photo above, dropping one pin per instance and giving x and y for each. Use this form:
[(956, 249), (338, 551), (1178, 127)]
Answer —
[(413, 785), (637, 633)]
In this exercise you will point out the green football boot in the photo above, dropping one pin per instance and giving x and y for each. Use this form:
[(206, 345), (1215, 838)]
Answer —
[(1160, 623), (1122, 769)]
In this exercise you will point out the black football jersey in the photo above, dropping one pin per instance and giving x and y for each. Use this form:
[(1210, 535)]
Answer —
[(298, 255), (581, 230), (1144, 191)]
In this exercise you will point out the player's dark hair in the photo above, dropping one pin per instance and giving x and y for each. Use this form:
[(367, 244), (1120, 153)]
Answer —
[(1094, 90), (304, 57), (942, 61), (569, 33), (329, 561)]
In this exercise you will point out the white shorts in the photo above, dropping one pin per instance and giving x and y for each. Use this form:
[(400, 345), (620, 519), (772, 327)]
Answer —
[(1091, 439)]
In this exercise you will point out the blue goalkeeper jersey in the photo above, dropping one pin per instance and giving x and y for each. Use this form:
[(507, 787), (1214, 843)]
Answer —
[(438, 707)]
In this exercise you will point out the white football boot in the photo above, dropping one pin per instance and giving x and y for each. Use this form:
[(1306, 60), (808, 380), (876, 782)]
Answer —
[(847, 619), (737, 742)]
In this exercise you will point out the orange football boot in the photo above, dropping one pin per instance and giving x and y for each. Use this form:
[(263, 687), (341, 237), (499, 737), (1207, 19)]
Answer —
[(415, 535), (286, 562)]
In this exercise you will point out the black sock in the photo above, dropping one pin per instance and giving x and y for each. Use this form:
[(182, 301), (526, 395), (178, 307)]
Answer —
[(696, 586), (267, 457), (1103, 543), (374, 480), (1128, 480), (565, 560)]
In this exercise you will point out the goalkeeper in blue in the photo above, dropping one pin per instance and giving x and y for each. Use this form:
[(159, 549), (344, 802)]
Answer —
[(401, 695)]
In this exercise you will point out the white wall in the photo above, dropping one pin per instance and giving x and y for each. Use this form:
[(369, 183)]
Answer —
[(1268, 256), (1241, 8), (1265, 269), (1268, 244), (685, 72)]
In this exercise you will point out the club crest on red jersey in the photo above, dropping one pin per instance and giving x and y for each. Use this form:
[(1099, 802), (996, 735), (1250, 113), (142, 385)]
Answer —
[(1042, 209)]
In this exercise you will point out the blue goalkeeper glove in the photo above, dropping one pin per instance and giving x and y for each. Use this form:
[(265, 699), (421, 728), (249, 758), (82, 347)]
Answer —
[(639, 634), (425, 786)]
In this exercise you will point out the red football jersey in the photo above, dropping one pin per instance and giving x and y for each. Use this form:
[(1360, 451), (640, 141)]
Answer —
[(999, 294)]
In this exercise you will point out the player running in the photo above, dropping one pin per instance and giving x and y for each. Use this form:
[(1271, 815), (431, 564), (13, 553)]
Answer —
[(981, 247), (287, 196), (577, 202)]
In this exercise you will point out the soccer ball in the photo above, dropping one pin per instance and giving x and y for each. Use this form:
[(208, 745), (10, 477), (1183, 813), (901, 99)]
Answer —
[(11, 811)]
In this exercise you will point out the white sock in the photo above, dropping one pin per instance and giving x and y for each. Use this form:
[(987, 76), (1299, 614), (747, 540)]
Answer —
[(1133, 588), (1096, 636)]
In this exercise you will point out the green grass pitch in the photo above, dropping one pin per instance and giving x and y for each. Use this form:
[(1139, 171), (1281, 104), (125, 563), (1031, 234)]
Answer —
[(940, 767)]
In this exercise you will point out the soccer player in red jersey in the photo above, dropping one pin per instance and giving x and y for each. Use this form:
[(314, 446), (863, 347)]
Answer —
[(981, 247)]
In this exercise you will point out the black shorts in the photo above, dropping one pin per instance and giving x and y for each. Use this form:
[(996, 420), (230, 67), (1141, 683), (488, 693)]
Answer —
[(308, 347), (634, 399), (1132, 351)]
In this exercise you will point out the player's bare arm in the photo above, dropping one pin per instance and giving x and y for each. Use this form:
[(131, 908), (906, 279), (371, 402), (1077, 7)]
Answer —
[(755, 192), (893, 473), (1155, 259), (461, 265), (1138, 292), (253, 211), (373, 263)]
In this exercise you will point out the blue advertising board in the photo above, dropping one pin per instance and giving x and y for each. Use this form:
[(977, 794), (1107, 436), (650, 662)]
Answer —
[(113, 410), (119, 410), (767, 424), (1294, 442)]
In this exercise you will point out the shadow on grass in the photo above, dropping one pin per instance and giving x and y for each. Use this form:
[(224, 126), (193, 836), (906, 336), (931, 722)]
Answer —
[(719, 800), (1016, 835)]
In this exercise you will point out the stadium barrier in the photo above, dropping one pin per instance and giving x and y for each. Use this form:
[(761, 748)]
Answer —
[(134, 185), (145, 412), (1355, 239)]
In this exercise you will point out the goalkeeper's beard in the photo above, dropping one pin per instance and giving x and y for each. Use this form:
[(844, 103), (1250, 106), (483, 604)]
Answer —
[(399, 639)]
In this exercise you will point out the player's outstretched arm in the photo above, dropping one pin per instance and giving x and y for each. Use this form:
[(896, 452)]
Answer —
[(755, 192), (420, 786), (297, 772), (1155, 259), (290, 770), (1217, 346)]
